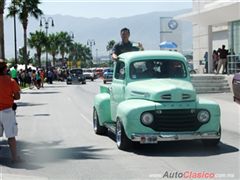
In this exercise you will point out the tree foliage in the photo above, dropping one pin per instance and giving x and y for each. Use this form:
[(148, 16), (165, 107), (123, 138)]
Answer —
[(23, 9)]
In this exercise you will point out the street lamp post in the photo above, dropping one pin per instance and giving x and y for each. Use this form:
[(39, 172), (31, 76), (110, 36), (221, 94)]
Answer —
[(46, 22)]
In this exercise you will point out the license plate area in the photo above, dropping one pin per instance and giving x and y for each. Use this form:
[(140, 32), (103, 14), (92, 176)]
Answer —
[(148, 140)]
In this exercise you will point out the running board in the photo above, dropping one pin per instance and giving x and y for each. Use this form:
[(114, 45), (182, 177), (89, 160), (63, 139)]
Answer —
[(111, 126)]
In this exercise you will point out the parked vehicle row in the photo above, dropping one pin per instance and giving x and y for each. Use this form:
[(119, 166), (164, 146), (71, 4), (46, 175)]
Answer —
[(80, 75)]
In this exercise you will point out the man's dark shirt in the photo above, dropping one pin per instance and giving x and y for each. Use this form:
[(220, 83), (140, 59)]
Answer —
[(223, 53), (121, 47)]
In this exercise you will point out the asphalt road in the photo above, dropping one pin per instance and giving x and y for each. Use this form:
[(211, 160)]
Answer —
[(56, 141)]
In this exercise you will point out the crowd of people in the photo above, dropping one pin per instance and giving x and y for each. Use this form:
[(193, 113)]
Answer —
[(35, 77), (219, 58)]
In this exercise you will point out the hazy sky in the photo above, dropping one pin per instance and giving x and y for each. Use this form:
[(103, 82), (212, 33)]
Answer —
[(110, 8)]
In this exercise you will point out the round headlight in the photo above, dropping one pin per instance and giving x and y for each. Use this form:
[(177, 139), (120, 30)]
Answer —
[(203, 116), (147, 118)]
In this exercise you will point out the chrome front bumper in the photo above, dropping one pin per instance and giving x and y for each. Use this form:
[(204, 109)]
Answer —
[(157, 137)]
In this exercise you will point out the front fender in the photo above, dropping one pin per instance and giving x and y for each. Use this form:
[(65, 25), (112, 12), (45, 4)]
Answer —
[(102, 105), (129, 113), (214, 109)]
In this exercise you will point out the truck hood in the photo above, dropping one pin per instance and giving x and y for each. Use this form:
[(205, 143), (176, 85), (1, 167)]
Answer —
[(161, 90)]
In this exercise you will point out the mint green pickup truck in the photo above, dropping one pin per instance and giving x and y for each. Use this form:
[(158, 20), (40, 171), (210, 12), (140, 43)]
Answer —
[(151, 99)]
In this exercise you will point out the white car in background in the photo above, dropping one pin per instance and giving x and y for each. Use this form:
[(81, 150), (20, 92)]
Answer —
[(89, 74)]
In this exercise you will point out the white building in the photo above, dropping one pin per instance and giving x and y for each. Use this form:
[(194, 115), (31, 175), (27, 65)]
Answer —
[(215, 23)]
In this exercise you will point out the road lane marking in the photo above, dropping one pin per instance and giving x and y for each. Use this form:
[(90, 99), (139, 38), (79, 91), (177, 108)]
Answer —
[(86, 119)]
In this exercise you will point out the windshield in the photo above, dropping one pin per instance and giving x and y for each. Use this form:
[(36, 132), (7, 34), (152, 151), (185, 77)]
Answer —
[(157, 69), (76, 71)]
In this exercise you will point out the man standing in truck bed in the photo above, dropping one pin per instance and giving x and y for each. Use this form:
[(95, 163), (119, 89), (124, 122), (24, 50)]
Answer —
[(125, 45)]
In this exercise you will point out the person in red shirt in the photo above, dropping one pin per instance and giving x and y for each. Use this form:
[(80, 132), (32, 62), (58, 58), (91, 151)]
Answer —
[(42, 75), (9, 91)]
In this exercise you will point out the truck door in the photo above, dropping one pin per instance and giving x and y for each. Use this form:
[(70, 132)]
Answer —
[(117, 92)]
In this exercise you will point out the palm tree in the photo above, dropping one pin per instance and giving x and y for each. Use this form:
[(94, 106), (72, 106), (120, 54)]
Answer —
[(24, 9), (79, 52), (2, 50), (73, 51), (85, 54), (53, 46), (65, 42), (38, 40), (110, 45)]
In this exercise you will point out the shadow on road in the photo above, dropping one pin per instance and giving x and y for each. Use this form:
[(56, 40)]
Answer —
[(182, 149), (37, 155), (41, 92), (41, 115), (178, 148), (54, 86), (23, 104)]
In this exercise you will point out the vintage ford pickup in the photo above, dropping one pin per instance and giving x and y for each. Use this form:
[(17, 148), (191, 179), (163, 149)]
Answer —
[(151, 99)]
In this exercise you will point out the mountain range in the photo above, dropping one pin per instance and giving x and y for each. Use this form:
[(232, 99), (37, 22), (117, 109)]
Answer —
[(145, 28)]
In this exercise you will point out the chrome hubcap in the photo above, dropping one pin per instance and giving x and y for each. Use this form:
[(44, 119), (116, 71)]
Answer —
[(95, 120), (118, 133)]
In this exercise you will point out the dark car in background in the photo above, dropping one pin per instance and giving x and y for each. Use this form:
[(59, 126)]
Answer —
[(236, 87), (107, 75), (76, 76)]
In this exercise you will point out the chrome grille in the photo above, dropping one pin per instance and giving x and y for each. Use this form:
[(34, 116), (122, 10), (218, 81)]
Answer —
[(175, 120)]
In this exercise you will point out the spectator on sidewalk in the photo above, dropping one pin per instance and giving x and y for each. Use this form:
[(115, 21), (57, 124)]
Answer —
[(222, 58), (215, 59), (9, 91), (14, 73), (206, 61), (125, 45), (42, 75), (49, 76), (38, 79)]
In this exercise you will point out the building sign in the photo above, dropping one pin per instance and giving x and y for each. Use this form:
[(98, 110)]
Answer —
[(171, 31), (164, 25), (172, 24)]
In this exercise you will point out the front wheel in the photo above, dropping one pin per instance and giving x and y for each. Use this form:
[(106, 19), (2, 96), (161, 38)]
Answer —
[(122, 140), (98, 129)]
